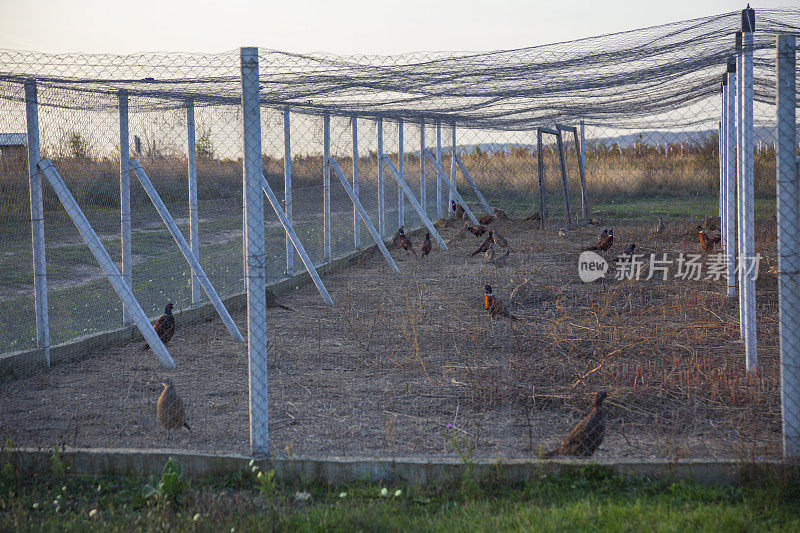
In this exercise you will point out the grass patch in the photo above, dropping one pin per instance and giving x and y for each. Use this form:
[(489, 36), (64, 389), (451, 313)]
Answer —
[(587, 499)]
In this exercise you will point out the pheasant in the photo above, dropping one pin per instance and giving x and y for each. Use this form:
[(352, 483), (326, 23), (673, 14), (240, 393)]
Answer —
[(706, 242), (425, 249), (396, 237), (494, 306), (484, 246), (164, 326), (500, 241), (458, 209), (659, 227), (170, 410), (405, 242), (499, 214), (272, 302), (500, 261), (478, 230), (491, 254), (587, 435), (604, 243), (486, 219)]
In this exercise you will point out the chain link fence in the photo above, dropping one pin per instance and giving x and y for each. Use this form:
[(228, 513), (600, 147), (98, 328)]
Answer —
[(396, 359)]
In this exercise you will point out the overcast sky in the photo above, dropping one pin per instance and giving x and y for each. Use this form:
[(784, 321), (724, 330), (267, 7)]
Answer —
[(340, 27)]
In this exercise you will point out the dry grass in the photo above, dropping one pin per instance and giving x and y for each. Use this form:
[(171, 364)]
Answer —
[(398, 358)]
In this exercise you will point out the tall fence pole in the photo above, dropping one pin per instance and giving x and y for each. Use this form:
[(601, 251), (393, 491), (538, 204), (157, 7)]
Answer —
[(37, 220), (740, 183), (723, 170), (287, 185), (423, 189), (748, 257), (401, 199), (788, 178), (730, 181), (125, 197), (381, 204), (194, 237), (540, 169), (439, 208), (581, 146), (326, 185), (453, 165), (254, 244), (356, 214)]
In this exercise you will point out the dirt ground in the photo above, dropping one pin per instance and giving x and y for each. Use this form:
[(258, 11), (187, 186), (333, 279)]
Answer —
[(398, 358)]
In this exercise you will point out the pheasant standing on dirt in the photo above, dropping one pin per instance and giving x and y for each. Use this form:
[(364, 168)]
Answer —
[(499, 214), (458, 209), (478, 230), (405, 242), (494, 306), (604, 243), (492, 253), (170, 410), (659, 227), (706, 242), (587, 435), (486, 219), (425, 249), (164, 326), (272, 302), (396, 237), (489, 240), (500, 241), (501, 260)]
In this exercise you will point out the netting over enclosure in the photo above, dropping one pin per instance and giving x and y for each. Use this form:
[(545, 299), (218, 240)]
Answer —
[(161, 163)]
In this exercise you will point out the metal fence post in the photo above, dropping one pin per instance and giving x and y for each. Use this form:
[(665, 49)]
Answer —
[(254, 245), (739, 184), (439, 206), (788, 183), (287, 186), (194, 237), (356, 214), (37, 220), (381, 205), (562, 161), (723, 158), (730, 182), (401, 199), (453, 165), (748, 257), (582, 168), (423, 192), (326, 185), (125, 197), (540, 169)]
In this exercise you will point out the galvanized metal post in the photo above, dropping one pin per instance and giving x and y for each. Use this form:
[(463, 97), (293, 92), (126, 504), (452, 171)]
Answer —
[(356, 214), (540, 168), (748, 257), (562, 160), (453, 165), (723, 158), (580, 145), (423, 191), (326, 185), (740, 184), (125, 197), (440, 209), (194, 237), (401, 199), (254, 245), (730, 177), (381, 205), (788, 178), (287, 186), (37, 220)]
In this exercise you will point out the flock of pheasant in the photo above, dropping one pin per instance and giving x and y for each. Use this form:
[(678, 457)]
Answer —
[(584, 439)]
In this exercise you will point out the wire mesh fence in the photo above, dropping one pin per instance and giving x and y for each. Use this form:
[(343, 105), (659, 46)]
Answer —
[(397, 359)]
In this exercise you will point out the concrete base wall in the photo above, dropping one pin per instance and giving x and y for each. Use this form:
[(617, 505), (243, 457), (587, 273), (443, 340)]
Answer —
[(336, 470)]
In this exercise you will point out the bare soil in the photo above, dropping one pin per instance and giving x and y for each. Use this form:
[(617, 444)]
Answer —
[(398, 358)]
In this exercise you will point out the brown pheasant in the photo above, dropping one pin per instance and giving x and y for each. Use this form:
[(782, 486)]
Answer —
[(706, 242), (164, 326), (170, 410), (500, 260), (272, 302), (500, 241), (484, 246), (494, 306), (458, 209), (486, 219), (604, 243), (500, 214), (405, 242), (478, 230), (425, 249), (587, 435)]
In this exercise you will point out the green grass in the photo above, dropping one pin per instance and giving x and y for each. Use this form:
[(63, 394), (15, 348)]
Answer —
[(589, 499)]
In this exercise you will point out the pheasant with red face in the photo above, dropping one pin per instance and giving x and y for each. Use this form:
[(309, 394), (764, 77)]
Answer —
[(425, 249), (604, 242), (488, 241), (164, 326), (706, 241), (458, 209), (405, 242), (494, 306), (478, 230)]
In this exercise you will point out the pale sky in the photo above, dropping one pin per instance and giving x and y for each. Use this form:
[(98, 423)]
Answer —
[(339, 27)]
